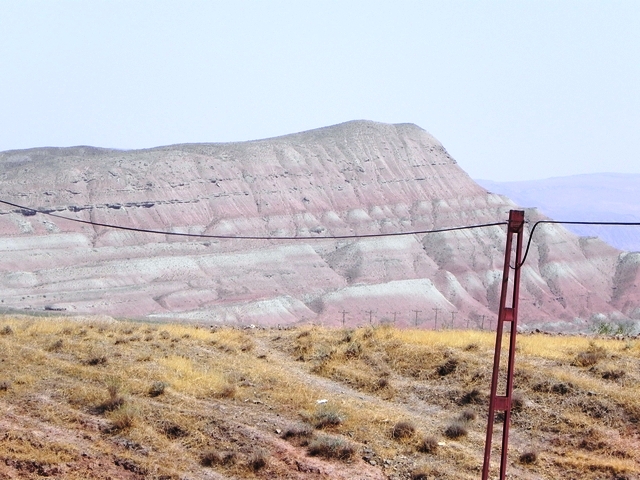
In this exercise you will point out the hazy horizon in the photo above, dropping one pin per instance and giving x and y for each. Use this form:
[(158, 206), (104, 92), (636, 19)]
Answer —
[(513, 90)]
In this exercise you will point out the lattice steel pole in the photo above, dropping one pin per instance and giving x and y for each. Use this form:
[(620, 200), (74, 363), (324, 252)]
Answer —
[(505, 314)]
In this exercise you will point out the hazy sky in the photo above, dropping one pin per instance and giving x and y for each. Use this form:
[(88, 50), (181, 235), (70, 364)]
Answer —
[(514, 90)]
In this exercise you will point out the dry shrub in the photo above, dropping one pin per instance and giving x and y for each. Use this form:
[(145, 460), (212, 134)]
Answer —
[(586, 359), (562, 388), (472, 397), (173, 430), (403, 430), (123, 418), (5, 385), (247, 345), (302, 349), (332, 448), (590, 357), (131, 466), (612, 374), (517, 401), (425, 473), (348, 336), (258, 460), (226, 391), (213, 458), (447, 367), (593, 441), (467, 416), (96, 360), (299, 434), (529, 457), (55, 346), (321, 356), (6, 330), (456, 430), (382, 382), (114, 401), (353, 350), (594, 407), (157, 388), (428, 444), (558, 388), (368, 332), (327, 417), (111, 404)]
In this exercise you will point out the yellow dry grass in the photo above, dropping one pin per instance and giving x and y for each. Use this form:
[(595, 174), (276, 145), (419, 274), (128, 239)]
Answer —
[(156, 397)]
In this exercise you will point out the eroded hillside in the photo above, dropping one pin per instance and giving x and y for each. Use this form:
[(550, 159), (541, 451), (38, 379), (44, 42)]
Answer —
[(350, 179)]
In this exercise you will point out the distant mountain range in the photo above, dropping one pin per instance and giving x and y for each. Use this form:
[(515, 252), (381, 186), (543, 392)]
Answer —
[(611, 197)]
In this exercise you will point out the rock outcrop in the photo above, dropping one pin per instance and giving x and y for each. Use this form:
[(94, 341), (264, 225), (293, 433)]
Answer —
[(356, 178)]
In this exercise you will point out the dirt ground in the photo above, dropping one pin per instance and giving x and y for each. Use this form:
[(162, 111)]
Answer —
[(130, 400)]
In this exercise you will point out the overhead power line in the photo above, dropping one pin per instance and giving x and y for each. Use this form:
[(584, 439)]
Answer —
[(569, 222), (249, 237), (34, 211)]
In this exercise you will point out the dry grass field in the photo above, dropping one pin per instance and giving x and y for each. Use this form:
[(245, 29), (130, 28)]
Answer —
[(90, 398)]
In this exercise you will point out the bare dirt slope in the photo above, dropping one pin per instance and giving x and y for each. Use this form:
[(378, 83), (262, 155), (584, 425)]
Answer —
[(91, 398), (355, 178)]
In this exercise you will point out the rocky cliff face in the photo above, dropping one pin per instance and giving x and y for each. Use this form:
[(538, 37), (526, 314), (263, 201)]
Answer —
[(354, 178)]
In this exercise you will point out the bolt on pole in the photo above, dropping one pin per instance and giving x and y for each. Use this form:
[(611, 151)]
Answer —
[(505, 314)]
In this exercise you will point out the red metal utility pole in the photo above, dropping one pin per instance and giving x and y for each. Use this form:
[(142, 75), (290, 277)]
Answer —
[(505, 314)]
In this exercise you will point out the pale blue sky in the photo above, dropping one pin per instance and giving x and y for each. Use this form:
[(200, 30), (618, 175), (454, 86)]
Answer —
[(514, 90)]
